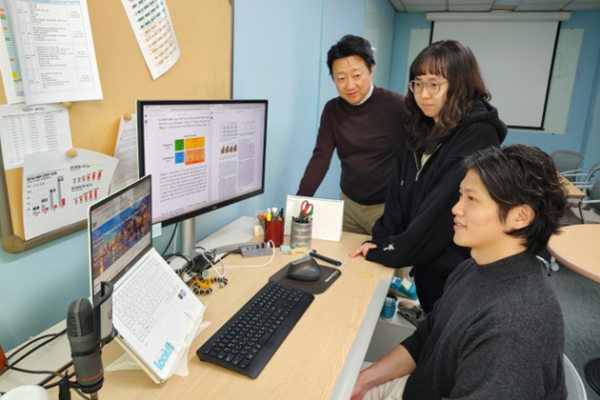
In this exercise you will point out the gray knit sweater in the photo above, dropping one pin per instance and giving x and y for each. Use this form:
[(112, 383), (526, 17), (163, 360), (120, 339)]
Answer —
[(496, 333)]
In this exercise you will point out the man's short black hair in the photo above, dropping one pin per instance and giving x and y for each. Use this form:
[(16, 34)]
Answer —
[(517, 175), (351, 45)]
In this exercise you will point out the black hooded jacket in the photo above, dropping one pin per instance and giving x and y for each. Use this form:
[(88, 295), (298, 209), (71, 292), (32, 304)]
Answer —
[(416, 228)]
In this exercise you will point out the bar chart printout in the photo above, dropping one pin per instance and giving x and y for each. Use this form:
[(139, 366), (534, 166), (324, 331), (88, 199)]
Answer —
[(57, 189)]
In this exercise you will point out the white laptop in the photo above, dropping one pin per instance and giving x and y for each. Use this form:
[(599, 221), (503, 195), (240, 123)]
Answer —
[(153, 310)]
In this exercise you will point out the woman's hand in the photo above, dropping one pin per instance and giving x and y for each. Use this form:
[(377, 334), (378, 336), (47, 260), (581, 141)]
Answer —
[(363, 249)]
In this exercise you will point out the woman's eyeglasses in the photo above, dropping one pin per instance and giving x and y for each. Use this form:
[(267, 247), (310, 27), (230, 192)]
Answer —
[(433, 87)]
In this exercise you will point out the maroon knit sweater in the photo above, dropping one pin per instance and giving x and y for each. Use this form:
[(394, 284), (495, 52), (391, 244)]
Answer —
[(367, 138)]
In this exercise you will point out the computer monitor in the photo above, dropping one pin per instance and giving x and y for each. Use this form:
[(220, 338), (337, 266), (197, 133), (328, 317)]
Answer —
[(202, 155)]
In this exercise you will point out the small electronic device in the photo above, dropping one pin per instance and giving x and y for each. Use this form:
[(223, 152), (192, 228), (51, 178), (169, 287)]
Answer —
[(255, 250), (304, 269)]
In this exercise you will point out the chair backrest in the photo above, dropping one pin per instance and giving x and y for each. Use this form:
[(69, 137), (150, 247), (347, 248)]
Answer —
[(575, 388), (566, 160), (594, 169), (595, 195)]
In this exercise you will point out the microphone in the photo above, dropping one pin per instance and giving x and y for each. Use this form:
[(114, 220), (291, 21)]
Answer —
[(85, 348)]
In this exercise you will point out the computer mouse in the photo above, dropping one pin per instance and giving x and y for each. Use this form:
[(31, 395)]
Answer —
[(304, 269)]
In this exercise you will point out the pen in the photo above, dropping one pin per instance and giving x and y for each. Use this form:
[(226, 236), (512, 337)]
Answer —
[(314, 254)]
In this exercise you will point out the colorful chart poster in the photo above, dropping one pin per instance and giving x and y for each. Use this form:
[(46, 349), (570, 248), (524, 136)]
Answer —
[(58, 189), (9, 59), (153, 30)]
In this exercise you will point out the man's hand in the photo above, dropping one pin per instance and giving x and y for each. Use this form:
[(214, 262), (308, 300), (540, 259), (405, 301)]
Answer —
[(363, 249), (360, 388)]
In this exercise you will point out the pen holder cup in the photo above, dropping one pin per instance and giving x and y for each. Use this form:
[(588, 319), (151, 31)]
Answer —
[(301, 234), (274, 232)]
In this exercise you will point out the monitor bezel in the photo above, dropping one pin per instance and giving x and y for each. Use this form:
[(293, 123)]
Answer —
[(140, 104)]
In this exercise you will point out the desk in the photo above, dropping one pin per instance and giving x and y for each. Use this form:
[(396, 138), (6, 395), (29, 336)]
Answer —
[(310, 360), (577, 247), (572, 191)]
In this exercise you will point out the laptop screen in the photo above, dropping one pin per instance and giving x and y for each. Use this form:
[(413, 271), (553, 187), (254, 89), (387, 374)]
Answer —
[(120, 233)]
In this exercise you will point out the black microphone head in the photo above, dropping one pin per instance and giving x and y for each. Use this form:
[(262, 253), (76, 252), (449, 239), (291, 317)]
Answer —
[(85, 349), (80, 318)]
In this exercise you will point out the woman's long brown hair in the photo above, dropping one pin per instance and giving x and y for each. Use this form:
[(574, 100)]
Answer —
[(454, 61)]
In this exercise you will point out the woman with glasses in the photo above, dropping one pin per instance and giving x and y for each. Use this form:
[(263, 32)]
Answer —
[(447, 117)]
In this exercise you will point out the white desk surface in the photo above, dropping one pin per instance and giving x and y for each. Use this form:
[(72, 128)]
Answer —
[(320, 358)]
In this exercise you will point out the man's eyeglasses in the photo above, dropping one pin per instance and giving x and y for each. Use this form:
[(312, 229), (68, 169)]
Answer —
[(433, 87)]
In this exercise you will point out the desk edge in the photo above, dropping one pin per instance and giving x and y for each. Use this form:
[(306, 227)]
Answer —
[(345, 383)]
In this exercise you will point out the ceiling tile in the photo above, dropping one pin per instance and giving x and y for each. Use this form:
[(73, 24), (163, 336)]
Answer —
[(424, 2), (545, 2), (470, 2), (582, 7), (425, 8), (539, 7), (470, 7), (504, 8), (498, 3), (398, 5)]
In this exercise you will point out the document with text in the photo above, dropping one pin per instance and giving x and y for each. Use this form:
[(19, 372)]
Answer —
[(54, 41), (29, 130), (202, 156), (126, 152)]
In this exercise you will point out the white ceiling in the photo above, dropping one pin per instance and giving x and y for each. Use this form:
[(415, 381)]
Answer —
[(494, 5)]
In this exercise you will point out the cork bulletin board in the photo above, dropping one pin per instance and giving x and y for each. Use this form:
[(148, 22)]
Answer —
[(203, 71)]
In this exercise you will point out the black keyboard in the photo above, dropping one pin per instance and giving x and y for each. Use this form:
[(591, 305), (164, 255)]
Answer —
[(246, 343)]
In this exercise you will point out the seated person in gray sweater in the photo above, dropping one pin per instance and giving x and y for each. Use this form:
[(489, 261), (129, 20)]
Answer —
[(497, 331)]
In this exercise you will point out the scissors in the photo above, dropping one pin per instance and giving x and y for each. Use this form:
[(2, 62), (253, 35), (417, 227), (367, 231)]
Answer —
[(306, 210)]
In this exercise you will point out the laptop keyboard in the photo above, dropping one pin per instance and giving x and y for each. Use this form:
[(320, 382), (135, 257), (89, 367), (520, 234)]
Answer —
[(249, 339), (140, 301)]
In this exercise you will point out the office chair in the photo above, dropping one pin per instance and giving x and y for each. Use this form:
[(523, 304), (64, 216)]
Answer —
[(586, 184), (567, 163), (545, 264), (575, 388), (591, 203)]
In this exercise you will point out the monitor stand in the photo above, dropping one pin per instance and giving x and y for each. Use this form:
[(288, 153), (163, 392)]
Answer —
[(188, 237)]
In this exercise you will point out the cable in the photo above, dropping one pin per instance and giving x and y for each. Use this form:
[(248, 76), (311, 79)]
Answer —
[(12, 366), (24, 346), (170, 240)]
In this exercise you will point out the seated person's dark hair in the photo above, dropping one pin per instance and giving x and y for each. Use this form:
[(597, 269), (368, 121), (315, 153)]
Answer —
[(520, 174), (351, 45)]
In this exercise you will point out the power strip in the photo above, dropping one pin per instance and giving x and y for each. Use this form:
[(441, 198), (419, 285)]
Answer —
[(255, 249)]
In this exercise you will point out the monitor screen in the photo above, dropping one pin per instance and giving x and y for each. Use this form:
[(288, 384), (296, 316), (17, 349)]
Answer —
[(202, 155), (119, 233)]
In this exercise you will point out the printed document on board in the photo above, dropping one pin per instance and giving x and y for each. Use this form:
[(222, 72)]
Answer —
[(126, 152), (9, 59), (54, 41), (28, 130), (153, 30), (58, 189)]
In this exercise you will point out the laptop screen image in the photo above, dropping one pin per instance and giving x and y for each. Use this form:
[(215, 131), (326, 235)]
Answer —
[(120, 233)]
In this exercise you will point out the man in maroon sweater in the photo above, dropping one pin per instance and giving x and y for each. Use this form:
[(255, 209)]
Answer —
[(365, 125)]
